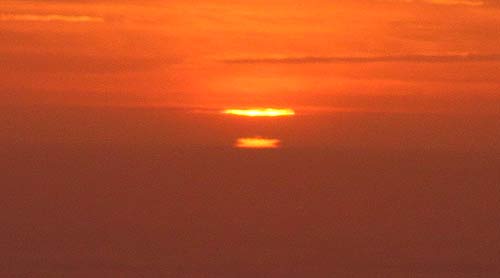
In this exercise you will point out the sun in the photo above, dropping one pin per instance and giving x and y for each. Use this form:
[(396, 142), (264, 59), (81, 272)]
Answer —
[(257, 143), (260, 112)]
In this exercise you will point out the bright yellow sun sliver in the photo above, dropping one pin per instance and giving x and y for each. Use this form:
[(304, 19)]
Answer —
[(260, 112), (257, 143)]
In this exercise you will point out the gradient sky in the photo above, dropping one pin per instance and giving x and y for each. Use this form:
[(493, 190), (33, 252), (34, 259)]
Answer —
[(117, 159), (392, 56), (432, 66)]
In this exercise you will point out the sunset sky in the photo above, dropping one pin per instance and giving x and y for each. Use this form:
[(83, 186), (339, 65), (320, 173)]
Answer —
[(259, 138), (371, 55), (397, 57)]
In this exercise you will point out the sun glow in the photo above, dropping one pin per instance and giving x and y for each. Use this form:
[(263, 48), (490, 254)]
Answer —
[(257, 143), (260, 112)]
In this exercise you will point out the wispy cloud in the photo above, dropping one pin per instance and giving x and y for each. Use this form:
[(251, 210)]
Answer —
[(452, 2), (50, 18), (367, 59), (108, 63)]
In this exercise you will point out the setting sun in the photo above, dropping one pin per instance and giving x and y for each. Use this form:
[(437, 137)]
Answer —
[(260, 112), (257, 143)]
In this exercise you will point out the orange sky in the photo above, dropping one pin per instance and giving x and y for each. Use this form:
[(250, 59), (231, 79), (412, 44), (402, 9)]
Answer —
[(250, 138), (369, 55)]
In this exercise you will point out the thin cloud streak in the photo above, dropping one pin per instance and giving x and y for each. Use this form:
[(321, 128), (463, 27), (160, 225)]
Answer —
[(368, 59), (50, 18), (455, 2)]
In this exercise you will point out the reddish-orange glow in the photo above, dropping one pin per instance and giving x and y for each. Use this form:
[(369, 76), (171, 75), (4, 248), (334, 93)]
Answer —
[(361, 55), (257, 143), (247, 137), (260, 112)]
